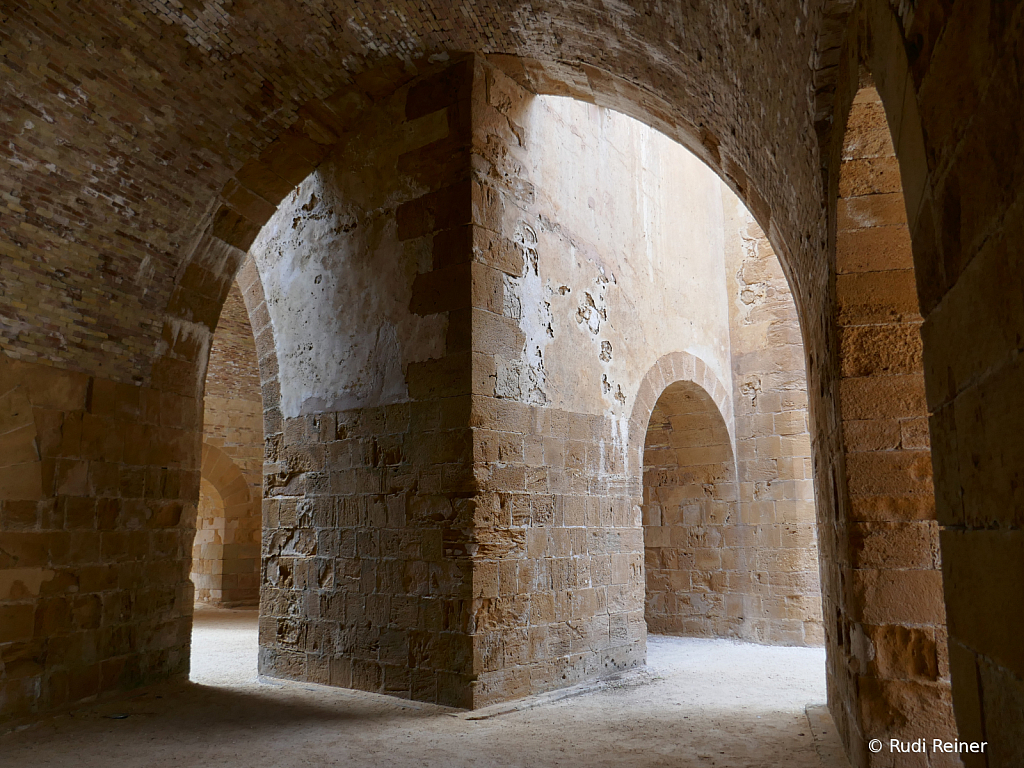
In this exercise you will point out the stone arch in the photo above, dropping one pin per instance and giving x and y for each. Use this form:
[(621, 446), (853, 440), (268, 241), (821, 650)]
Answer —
[(750, 584), (690, 508), (224, 476), (670, 368), (886, 645), (251, 286), (222, 565), (886, 466), (247, 200), (970, 366), (250, 196), (682, 524)]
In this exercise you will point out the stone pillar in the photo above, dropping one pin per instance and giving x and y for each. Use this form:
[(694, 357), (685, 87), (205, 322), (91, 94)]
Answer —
[(362, 315), (558, 589)]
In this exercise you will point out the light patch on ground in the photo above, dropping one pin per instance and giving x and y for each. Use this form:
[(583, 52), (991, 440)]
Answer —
[(707, 703)]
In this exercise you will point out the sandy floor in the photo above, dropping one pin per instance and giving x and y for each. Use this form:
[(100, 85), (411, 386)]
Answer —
[(703, 703)]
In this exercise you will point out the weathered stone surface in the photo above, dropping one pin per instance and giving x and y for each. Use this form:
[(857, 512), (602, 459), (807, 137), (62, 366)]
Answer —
[(889, 545), (776, 538)]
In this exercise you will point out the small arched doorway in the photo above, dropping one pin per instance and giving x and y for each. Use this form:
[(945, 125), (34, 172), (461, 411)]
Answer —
[(729, 550), (226, 549), (696, 564)]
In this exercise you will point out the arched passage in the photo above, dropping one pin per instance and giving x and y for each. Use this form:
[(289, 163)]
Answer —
[(225, 551), (729, 547), (945, 169), (890, 671), (697, 560), (142, 237)]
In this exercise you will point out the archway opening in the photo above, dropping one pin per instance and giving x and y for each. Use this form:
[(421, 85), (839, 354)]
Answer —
[(891, 632), (226, 549), (697, 562), (506, 300), (225, 552), (392, 515)]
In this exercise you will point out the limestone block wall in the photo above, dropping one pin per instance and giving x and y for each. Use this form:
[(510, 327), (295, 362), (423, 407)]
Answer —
[(115, 270), (582, 279), (94, 535), (419, 307), (558, 581), (773, 442), (448, 320), (226, 550), (895, 638), (363, 340)]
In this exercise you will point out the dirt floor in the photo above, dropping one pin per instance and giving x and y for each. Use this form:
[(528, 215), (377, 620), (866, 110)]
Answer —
[(700, 703)]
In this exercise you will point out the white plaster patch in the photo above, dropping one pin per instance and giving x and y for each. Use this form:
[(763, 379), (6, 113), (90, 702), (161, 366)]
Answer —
[(629, 254), (527, 299), (338, 284)]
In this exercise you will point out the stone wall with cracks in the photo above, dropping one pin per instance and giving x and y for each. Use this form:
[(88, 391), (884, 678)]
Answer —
[(619, 237), (600, 250)]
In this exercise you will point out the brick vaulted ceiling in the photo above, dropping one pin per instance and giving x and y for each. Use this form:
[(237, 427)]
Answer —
[(122, 122)]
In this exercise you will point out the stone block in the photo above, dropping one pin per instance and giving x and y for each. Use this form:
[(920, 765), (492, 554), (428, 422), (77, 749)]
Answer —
[(896, 597)]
